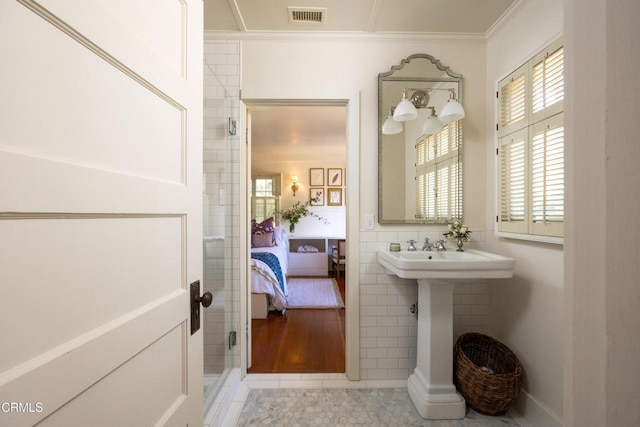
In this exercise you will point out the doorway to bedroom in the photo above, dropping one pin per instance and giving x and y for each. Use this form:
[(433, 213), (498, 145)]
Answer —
[(297, 206)]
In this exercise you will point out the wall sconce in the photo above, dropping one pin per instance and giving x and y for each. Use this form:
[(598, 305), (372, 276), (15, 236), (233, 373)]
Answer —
[(407, 110), (294, 184)]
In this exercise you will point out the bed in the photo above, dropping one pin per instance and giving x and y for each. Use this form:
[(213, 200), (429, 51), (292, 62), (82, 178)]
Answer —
[(269, 266)]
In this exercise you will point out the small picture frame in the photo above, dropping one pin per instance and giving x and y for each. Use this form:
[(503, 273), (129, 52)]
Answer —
[(335, 197), (334, 177), (316, 177), (316, 196)]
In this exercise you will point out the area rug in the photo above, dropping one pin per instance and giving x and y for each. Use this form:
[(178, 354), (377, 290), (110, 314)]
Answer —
[(313, 293)]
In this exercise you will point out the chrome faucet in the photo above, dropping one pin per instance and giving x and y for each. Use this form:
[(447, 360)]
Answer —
[(426, 246), (411, 246), (439, 246)]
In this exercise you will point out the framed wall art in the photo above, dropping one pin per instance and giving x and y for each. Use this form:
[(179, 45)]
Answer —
[(334, 177), (335, 197), (316, 196), (316, 177)]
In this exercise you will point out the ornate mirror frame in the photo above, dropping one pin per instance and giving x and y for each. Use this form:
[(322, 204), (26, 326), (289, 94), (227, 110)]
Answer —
[(396, 181)]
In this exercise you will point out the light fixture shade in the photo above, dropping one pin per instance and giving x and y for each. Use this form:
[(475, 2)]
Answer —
[(405, 111), (452, 111), (391, 127), (432, 125)]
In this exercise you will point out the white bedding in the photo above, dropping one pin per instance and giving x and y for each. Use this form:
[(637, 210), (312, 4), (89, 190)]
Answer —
[(264, 281)]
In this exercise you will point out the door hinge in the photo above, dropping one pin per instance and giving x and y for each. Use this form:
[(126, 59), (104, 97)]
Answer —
[(233, 339)]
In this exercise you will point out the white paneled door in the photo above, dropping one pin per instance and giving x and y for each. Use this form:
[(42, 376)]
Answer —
[(100, 212)]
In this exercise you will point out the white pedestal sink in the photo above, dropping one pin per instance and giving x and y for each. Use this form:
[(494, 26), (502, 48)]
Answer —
[(431, 384)]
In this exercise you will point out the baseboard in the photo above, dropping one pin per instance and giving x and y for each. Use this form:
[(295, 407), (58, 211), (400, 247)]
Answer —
[(528, 412)]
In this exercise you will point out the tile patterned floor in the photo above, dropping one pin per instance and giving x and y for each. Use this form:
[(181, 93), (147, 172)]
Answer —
[(346, 407)]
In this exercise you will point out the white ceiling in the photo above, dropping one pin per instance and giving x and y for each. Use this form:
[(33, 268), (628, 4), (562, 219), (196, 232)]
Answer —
[(296, 132), (357, 16)]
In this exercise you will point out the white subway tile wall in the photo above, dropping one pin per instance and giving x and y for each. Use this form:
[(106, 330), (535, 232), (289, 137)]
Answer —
[(388, 330)]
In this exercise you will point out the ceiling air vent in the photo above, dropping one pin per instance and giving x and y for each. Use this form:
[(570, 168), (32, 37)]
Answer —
[(313, 15)]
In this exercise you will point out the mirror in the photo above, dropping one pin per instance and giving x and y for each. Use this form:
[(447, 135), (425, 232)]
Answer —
[(419, 174)]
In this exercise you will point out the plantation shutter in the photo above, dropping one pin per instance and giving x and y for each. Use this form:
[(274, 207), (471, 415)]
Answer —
[(513, 102), (513, 189), (442, 192), (420, 197), (531, 146), (426, 194), (547, 97), (547, 176), (438, 175), (265, 195)]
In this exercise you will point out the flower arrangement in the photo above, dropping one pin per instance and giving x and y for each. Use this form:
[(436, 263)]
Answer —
[(296, 212), (458, 231)]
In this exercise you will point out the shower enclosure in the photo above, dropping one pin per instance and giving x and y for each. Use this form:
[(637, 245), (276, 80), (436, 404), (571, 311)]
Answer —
[(221, 320)]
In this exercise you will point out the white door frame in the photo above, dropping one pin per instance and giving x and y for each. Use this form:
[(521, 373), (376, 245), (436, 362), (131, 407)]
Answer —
[(350, 99)]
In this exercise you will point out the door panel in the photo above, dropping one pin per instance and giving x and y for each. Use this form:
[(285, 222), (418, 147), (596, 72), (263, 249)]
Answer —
[(100, 211), (147, 254), (65, 68)]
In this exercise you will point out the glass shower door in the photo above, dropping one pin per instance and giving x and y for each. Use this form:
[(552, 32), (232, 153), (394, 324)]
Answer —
[(221, 320)]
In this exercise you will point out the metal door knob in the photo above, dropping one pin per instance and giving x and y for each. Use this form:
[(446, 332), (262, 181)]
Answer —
[(205, 299)]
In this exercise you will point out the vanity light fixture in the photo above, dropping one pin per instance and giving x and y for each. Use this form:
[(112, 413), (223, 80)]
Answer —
[(390, 126), (433, 124), (294, 184), (407, 109), (452, 110)]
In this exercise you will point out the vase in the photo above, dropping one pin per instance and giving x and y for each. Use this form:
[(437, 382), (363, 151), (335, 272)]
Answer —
[(292, 227), (460, 243)]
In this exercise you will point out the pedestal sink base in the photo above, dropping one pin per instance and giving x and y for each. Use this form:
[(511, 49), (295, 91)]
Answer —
[(449, 406), (431, 384)]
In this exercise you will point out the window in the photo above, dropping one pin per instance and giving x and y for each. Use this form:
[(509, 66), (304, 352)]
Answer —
[(531, 147), (265, 196), (438, 175)]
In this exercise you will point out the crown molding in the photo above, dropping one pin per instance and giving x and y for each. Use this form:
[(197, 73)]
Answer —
[(458, 38)]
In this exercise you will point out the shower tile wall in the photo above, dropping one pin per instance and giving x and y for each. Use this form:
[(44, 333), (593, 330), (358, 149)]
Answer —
[(221, 201)]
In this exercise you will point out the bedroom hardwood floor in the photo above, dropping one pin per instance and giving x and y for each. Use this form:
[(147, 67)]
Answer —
[(301, 341)]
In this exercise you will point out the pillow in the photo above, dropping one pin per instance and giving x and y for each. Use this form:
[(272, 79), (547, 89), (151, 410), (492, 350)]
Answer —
[(262, 240), (253, 226), (264, 227), (280, 236)]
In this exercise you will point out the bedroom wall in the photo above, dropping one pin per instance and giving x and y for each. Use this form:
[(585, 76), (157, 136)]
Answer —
[(307, 227), (527, 312)]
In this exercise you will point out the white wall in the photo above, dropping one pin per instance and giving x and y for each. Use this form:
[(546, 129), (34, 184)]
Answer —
[(527, 312), (602, 262), (335, 225)]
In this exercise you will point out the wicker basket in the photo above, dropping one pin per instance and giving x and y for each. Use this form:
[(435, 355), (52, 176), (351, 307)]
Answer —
[(487, 373)]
